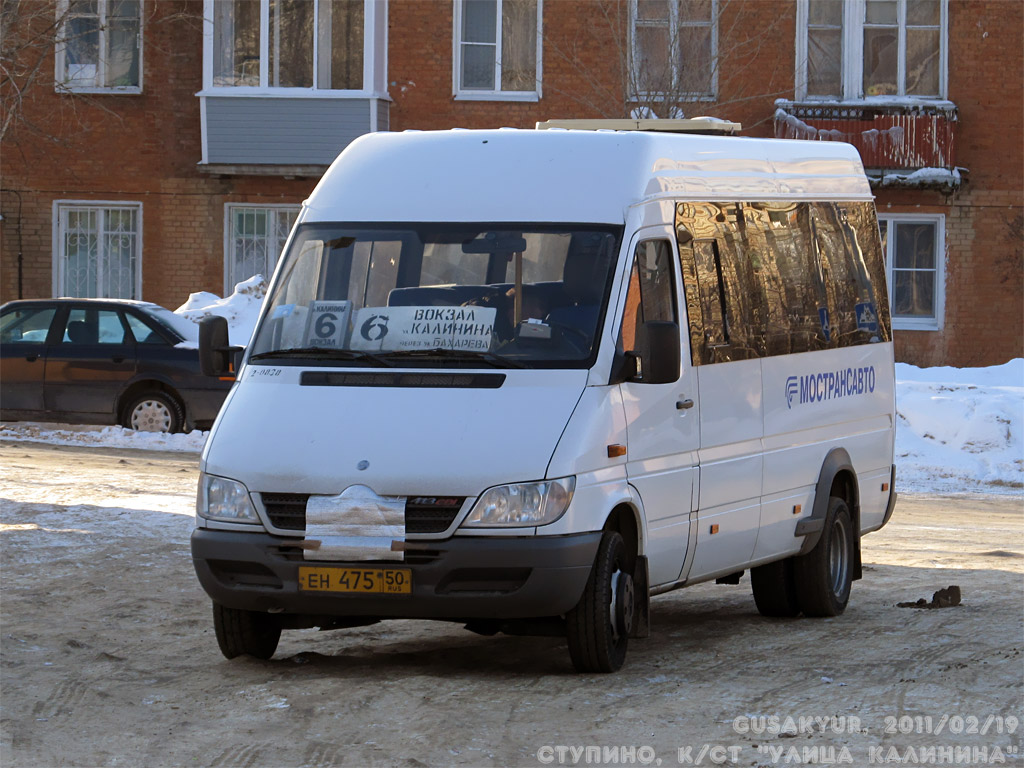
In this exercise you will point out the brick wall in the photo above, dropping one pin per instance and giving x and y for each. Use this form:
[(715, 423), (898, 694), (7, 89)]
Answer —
[(139, 148), (583, 62), (984, 259)]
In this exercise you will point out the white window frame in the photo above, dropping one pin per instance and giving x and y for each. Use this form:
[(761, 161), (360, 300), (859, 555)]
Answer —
[(852, 55), (674, 33), (61, 86), (59, 207), (462, 94), (229, 209), (939, 220), (375, 14)]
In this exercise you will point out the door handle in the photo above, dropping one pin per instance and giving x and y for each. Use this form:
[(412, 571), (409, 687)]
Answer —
[(117, 359), (31, 358), (684, 405)]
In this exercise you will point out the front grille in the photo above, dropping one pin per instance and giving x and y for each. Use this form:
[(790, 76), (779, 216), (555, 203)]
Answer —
[(423, 514), (286, 511), (431, 514)]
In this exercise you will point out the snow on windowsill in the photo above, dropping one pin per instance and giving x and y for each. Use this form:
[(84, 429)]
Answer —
[(923, 177), (910, 103)]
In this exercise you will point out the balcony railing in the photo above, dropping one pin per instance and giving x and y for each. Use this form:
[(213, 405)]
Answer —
[(889, 137)]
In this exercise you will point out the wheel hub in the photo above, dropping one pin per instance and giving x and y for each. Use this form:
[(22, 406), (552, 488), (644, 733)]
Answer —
[(622, 605), (837, 558), (151, 416)]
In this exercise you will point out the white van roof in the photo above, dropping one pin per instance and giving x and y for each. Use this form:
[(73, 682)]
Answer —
[(570, 176)]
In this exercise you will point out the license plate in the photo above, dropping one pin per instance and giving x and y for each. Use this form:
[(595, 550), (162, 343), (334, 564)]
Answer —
[(373, 581)]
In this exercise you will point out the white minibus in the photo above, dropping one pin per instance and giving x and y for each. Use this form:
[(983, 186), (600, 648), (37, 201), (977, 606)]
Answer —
[(525, 380)]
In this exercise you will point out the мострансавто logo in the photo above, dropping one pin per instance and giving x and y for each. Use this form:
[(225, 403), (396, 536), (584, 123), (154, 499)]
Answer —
[(815, 387)]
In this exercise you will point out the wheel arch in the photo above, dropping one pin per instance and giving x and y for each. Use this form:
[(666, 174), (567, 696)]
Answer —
[(836, 478), (626, 518)]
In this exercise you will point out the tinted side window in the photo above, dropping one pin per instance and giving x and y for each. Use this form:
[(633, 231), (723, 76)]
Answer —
[(724, 300), (779, 278), (26, 326)]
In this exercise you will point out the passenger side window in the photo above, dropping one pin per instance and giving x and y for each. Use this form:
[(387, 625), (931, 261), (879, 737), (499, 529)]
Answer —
[(94, 326), (651, 294), (26, 326), (779, 278)]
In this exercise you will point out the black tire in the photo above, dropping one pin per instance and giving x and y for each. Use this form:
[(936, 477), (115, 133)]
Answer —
[(775, 589), (154, 411), (595, 645), (825, 574), (245, 633)]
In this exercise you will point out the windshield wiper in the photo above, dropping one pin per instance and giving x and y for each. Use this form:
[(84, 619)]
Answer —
[(495, 361), (324, 353)]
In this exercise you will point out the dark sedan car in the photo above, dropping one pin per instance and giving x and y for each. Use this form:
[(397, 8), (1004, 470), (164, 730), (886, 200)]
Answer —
[(101, 361)]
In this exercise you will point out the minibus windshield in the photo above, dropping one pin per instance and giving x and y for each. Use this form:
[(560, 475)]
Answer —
[(440, 295)]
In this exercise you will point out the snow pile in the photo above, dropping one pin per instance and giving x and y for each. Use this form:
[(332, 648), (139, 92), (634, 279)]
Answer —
[(960, 429), (241, 309), (108, 437)]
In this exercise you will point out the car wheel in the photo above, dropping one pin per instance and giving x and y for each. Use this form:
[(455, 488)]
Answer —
[(245, 633), (598, 627), (825, 574), (154, 412), (775, 589)]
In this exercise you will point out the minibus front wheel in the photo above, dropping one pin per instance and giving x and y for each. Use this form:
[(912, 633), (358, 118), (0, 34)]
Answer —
[(245, 633), (598, 627)]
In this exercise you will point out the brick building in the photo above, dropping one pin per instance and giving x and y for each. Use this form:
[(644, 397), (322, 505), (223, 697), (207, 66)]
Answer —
[(160, 147)]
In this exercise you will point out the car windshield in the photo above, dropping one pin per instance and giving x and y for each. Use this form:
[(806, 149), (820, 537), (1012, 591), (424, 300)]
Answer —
[(443, 295)]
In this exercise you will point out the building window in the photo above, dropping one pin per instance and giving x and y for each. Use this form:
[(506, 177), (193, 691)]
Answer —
[(857, 49), (311, 44), (914, 251), (98, 250), (99, 46), (673, 49), (498, 49), (255, 237)]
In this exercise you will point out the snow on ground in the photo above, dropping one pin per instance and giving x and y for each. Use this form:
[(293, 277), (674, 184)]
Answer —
[(108, 437)]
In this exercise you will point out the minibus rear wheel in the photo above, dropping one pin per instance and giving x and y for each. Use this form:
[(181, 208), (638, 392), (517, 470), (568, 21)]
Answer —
[(775, 589), (825, 574), (245, 633), (598, 627)]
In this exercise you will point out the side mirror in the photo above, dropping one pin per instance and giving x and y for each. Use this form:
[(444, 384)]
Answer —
[(660, 353), (216, 354)]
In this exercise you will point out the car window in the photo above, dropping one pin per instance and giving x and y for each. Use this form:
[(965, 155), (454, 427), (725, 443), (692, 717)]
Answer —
[(26, 325), (143, 333), (94, 326)]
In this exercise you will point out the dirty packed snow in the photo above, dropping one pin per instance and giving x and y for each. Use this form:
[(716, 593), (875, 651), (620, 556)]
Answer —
[(958, 429)]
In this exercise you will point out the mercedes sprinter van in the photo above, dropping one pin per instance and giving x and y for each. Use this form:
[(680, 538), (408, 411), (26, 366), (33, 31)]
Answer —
[(527, 379)]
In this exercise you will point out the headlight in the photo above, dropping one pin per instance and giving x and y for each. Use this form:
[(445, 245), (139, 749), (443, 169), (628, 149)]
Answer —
[(522, 504), (224, 500)]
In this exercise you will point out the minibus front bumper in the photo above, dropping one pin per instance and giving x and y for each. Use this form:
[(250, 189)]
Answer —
[(475, 577)]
